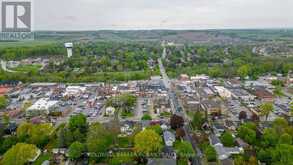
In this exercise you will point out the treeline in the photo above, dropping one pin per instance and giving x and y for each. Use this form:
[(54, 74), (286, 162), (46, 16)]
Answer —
[(67, 77), (18, 53), (91, 62), (217, 61)]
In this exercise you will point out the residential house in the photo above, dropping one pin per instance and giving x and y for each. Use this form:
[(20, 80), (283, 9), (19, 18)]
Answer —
[(263, 94), (169, 138), (110, 111), (223, 152)]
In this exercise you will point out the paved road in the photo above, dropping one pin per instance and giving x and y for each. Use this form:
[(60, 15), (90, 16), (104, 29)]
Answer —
[(177, 109)]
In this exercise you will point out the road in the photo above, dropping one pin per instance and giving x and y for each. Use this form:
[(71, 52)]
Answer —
[(177, 109)]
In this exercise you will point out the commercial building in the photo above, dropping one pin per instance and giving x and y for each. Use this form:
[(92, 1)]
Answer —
[(42, 106)]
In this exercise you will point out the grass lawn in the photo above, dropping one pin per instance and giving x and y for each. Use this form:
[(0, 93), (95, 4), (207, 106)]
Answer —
[(28, 68), (123, 142), (125, 114)]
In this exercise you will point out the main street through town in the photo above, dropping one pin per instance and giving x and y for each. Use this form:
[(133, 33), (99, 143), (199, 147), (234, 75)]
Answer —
[(178, 110)]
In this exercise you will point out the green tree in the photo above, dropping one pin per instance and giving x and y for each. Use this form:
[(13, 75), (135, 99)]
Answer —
[(285, 139), (270, 138), (184, 149), (146, 117), (157, 128), (280, 125), (266, 109), (247, 133), (278, 91), (210, 153), (147, 141), (243, 71), (7, 143), (278, 83), (76, 150), (197, 120), (78, 122), (40, 134), (227, 139), (98, 139), (3, 102), (19, 154), (283, 154), (23, 131)]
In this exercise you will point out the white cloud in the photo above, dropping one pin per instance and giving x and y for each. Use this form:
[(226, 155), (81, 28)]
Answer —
[(150, 14)]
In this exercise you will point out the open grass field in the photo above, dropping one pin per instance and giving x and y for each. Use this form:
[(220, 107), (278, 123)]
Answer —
[(27, 68)]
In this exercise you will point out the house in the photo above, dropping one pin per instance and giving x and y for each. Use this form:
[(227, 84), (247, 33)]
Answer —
[(184, 77), (168, 152), (223, 152), (42, 106), (126, 128), (218, 129), (199, 78), (161, 161), (4, 90), (110, 111), (169, 138), (263, 94), (242, 95), (212, 107)]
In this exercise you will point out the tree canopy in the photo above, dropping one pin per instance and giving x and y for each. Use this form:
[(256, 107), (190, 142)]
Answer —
[(147, 141), (19, 154)]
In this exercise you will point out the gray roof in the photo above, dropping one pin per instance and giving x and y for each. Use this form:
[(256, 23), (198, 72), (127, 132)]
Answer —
[(168, 135), (214, 139)]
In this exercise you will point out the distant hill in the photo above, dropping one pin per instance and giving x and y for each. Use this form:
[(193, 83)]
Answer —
[(178, 36)]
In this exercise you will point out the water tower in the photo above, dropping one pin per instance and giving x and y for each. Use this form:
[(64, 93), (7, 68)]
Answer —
[(69, 47)]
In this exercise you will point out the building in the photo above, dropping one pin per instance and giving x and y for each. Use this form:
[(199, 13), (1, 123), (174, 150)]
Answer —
[(74, 91), (199, 78), (4, 90), (242, 95), (263, 94), (223, 92), (169, 138), (212, 107), (110, 111), (223, 152), (184, 77), (42, 107)]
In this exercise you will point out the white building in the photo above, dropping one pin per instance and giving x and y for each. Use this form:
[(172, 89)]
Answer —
[(199, 78), (110, 111), (74, 91), (223, 92), (42, 106)]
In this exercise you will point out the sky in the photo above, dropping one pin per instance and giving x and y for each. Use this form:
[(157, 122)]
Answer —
[(161, 14)]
